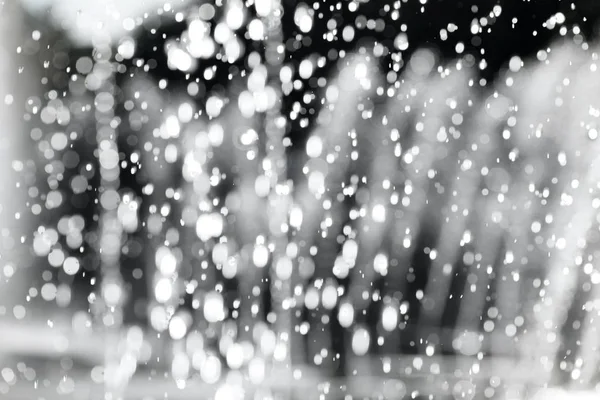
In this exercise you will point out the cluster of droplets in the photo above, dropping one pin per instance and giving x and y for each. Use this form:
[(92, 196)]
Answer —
[(428, 164)]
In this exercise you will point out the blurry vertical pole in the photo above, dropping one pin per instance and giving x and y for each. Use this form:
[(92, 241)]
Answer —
[(110, 229), (161, 132), (574, 228), (463, 183), (588, 352), (521, 265), (276, 171), (566, 210), (16, 84), (316, 201), (486, 235)]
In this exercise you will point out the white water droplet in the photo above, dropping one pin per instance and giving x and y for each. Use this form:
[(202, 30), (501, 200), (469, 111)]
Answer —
[(235, 356), (329, 297), (260, 256), (71, 266), (389, 318), (361, 340), (210, 371), (166, 261), (163, 291), (284, 268), (346, 315), (314, 146), (177, 328), (378, 213), (214, 307)]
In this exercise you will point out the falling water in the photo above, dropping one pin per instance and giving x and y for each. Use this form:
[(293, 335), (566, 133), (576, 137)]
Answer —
[(432, 238)]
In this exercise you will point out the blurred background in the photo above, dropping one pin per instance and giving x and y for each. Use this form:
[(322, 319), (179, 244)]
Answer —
[(281, 200)]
